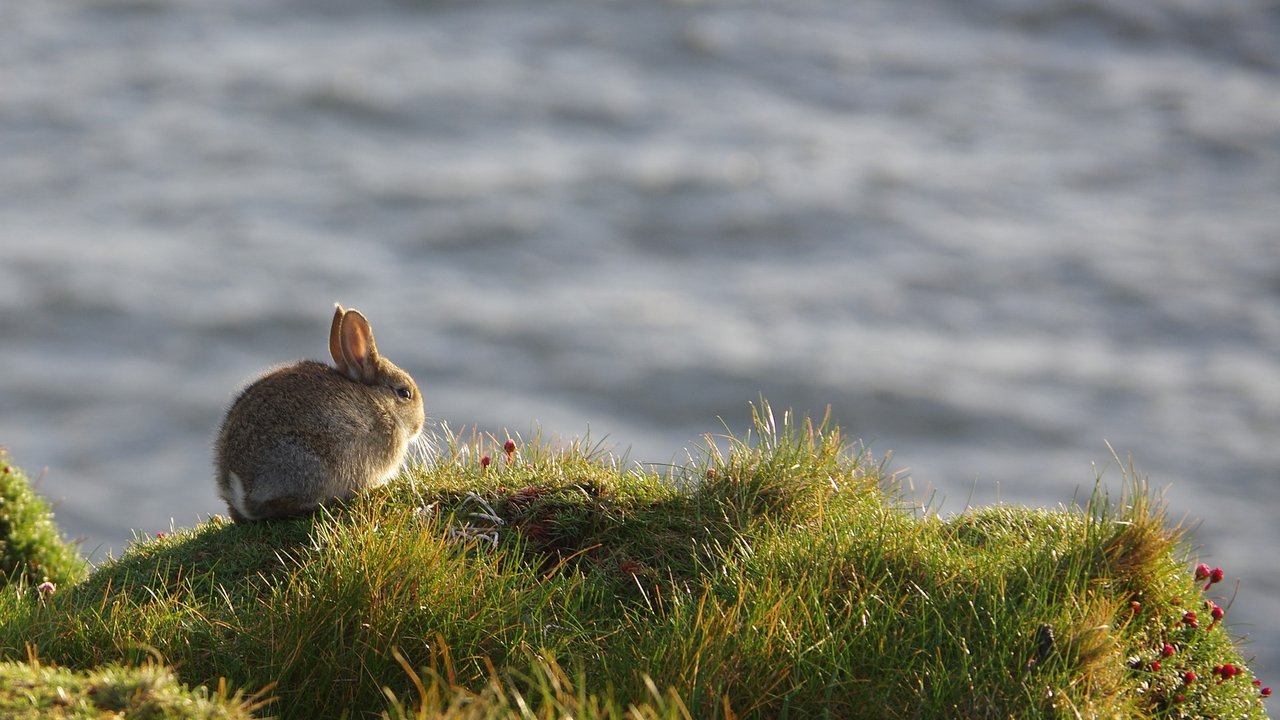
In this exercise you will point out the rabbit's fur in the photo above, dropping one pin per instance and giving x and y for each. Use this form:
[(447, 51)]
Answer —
[(308, 433)]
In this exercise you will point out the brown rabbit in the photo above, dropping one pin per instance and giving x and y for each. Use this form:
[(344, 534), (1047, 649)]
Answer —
[(307, 433)]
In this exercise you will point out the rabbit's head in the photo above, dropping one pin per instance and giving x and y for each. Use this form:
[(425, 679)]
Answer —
[(355, 354)]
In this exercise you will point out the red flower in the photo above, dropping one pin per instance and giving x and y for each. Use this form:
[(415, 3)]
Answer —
[(1266, 692), (1227, 671), (1215, 576), (1135, 607), (509, 447), (1188, 677), (1189, 619), (1202, 571), (1217, 613), (1167, 650), (484, 462), (1155, 666)]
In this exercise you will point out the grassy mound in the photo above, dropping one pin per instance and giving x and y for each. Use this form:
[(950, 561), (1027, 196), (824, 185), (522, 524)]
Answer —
[(782, 577)]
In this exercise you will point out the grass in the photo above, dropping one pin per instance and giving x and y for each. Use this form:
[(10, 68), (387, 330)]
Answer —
[(31, 548), (30, 691), (779, 575)]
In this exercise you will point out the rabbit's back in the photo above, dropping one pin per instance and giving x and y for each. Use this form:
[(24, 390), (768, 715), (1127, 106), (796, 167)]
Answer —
[(300, 435)]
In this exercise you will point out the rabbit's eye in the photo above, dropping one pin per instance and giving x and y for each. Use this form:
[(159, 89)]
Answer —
[(405, 392)]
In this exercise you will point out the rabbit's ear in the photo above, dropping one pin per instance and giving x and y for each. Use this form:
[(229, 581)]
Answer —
[(335, 345), (358, 348)]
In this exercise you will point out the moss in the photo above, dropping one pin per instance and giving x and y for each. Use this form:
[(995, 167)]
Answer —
[(31, 548)]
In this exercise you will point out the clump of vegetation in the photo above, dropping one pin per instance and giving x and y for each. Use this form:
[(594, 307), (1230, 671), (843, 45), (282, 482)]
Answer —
[(31, 549), (778, 575), (31, 691)]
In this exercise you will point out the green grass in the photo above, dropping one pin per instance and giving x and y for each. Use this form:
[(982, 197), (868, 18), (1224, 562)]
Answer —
[(30, 691), (31, 549), (780, 575)]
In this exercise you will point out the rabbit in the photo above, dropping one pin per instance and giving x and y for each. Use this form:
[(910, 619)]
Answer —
[(307, 433)]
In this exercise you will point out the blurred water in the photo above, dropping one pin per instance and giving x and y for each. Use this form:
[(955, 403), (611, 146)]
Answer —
[(991, 235)]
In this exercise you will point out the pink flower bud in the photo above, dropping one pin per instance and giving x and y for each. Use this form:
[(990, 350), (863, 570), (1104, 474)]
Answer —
[(509, 447), (1217, 613), (1215, 576), (1155, 666), (46, 588), (1167, 650), (1188, 677), (1189, 619), (1202, 571), (1266, 692), (484, 462)]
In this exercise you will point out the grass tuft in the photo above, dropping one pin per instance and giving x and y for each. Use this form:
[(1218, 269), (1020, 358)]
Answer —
[(32, 550), (33, 691)]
